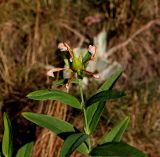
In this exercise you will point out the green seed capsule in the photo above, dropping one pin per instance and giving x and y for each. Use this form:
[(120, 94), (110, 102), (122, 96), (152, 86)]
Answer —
[(76, 64)]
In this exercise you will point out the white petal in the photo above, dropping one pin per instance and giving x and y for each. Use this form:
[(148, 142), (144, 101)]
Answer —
[(62, 47), (96, 76), (51, 72), (93, 50)]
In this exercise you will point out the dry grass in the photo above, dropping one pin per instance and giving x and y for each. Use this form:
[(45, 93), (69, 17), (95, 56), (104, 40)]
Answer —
[(30, 31), (47, 143), (141, 47), (142, 106)]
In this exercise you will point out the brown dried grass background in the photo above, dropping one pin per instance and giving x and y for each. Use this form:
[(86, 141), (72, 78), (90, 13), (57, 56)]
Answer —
[(48, 144), (29, 33)]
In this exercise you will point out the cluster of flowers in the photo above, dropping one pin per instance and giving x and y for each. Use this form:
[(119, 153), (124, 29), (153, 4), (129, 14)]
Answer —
[(76, 65)]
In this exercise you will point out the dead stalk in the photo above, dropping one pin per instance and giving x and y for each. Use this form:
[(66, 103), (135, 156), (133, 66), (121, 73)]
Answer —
[(114, 49)]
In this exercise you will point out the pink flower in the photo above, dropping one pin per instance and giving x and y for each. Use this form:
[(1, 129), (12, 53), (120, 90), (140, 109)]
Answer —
[(62, 47), (65, 47), (51, 71), (75, 66), (93, 50)]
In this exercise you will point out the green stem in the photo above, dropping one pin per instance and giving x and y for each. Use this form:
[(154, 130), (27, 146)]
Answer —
[(86, 129), (83, 107), (81, 93)]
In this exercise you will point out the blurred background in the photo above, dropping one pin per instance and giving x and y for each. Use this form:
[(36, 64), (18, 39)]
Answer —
[(127, 35)]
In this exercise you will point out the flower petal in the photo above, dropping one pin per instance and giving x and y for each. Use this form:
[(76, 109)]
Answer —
[(51, 72), (96, 76), (93, 50), (65, 47), (62, 47), (69, 50)]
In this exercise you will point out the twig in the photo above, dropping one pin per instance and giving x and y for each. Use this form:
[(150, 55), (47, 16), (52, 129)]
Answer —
[(82, 38), (125, 43), (156, 8)]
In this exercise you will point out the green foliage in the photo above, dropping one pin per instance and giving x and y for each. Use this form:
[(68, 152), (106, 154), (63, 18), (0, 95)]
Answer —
[(87, 57), (7, 146), (71, 143), (55, 95), (56, 125), (25, 151), (77, 64), (104, 96), (7, 137), (94, 111), (118, 149), (116, 133)]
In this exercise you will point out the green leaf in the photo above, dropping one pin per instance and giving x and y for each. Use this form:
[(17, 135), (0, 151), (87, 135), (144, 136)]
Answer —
[(117, 149), (83, 148), (116, 133), (25, 151), (55, 95), (56, 125), (104, 96), (7, 137), (71, 143), (94, 111), (59, 82), (109, 83), (87, 57)]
